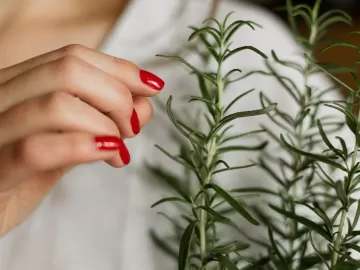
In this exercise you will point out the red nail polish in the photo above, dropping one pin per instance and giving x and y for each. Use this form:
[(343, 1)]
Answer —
[(124, 153), (151, 80), (108, 143), (135, 124)]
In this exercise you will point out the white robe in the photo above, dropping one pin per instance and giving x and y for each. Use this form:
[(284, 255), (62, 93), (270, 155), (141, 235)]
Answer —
[(98, 217)]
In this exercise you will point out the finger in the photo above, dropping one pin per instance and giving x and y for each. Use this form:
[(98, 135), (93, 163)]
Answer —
[(140, 82), (144, 109), (54, 151), (53, 112), (50, 151), (141, 115), (76, 77)]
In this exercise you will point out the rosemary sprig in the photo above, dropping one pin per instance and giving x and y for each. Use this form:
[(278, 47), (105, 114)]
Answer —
[(203, 150), (341, 243), (316, 170), (332, 206), (290, 245)]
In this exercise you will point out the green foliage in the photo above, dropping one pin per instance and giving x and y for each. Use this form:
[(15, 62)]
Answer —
[(306, 171), (312, 168), (203, 150), (341, 225)]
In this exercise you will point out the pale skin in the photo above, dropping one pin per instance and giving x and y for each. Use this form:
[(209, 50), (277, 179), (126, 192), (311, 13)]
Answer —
[(58, 98)]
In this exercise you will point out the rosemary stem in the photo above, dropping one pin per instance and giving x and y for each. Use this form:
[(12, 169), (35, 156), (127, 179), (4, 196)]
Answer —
[(312, 37), (300, 130), (299, 145), (202, 229), (337, 244), (209, 159), (356, 147), (203, 214), (220, 82), (353, 160), (338, 239)]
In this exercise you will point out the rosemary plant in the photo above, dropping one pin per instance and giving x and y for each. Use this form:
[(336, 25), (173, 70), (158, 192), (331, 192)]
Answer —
[(297, 180), (339, 229), (313, 170), (330, 200), (202, 153)]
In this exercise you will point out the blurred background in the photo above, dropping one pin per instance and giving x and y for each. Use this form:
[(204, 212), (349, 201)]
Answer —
[(338, 55), (349, 5)]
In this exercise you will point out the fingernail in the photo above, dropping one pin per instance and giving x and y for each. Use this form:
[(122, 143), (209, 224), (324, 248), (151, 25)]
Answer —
[(124, 153), (108, 143), (151, 80), (134, 121)]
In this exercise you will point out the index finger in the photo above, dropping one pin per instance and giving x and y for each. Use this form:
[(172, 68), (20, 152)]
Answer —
[(140, 82)]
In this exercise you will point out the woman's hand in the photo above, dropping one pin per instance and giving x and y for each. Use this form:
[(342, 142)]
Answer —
[(61, 109)]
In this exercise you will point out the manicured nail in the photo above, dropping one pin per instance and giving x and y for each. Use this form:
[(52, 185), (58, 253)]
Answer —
[(108, 143), (134, 121), (124, 153), (151, 80)]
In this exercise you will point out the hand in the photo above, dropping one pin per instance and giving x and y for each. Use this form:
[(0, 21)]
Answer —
[(64, 108)]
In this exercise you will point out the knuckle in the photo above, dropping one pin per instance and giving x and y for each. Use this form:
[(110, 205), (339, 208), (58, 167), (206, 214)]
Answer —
[(127, 103), (54, 105), (72, 147), (76, 148), (111, 130), (26, 153), (110, 127), (106, 125), (72, 50), (68, 68), (125, 64)]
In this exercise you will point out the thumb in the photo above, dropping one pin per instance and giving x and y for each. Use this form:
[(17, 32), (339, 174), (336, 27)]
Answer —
[(51, 151)]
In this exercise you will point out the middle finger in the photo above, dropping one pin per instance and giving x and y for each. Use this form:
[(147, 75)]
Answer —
[(74, 76)]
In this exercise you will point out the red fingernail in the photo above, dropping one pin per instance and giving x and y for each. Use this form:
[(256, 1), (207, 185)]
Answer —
[(135, 124), (108, 143), (124, 153), (151, 80)]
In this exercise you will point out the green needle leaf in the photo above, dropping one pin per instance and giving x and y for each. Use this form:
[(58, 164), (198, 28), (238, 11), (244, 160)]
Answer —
[(352, 246), (255, 190), (237, 99), (327, 141), (251, 48), (231, 201), (225, 261), (215, 214), (316, 157), (357, 215), (194, 69), (207, 30), (305, 221), (169, 199), (332, 76), (341, 193), (242, 148), (185, 245), (234, 168), (233, 27), (237, 115), (231, 247), (283, 265)]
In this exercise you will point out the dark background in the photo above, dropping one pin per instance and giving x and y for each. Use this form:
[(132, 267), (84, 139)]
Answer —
[(338, 55), (352, 6)]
